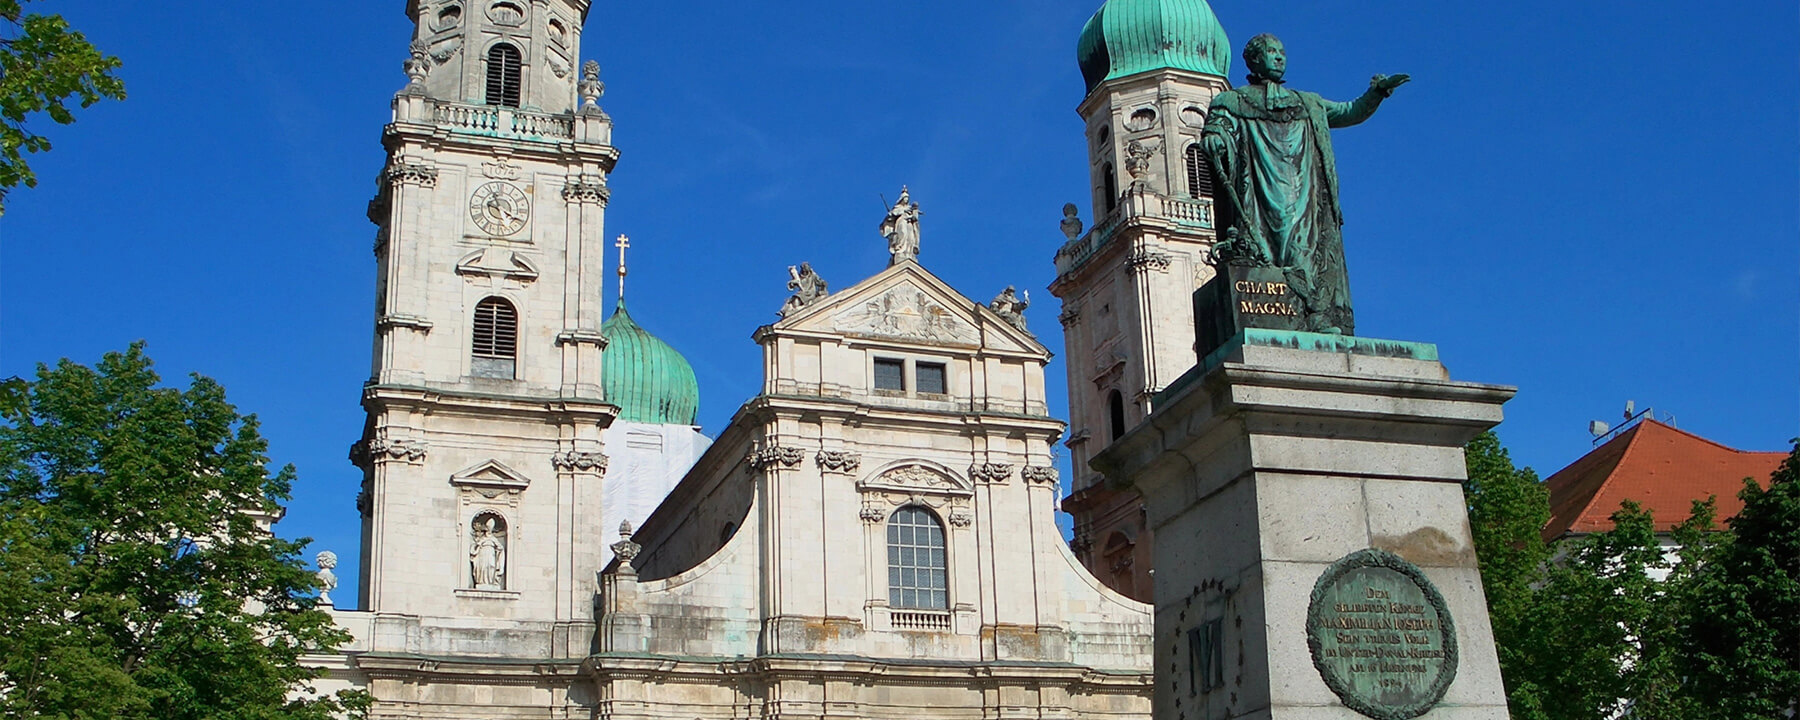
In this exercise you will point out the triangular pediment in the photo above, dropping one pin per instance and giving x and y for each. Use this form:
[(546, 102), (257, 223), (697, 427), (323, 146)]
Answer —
[(490, 473), (906, 303)]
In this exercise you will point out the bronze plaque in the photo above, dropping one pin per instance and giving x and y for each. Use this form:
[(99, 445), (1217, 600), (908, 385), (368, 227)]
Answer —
[(1381, 636)]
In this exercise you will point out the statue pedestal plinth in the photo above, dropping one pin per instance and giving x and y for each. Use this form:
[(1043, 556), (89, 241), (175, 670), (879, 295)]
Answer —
[(1313, 555)]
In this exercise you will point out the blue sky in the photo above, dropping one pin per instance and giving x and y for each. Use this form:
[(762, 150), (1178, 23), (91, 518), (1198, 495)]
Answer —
[(1595, 201)]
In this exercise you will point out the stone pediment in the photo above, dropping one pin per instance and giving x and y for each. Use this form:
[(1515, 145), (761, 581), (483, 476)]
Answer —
[(906, 303), (915, 478), (490, 474)]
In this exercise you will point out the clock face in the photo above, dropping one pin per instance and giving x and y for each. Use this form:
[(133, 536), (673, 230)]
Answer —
[(500, 208)]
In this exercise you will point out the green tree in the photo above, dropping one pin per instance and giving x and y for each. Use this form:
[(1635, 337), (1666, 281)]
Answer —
[(44, 66), (1508, 507), (1742, 622), (135, 579)]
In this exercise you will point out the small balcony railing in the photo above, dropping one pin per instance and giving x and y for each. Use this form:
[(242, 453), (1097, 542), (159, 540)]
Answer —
[(503, 121), (1134, 204)]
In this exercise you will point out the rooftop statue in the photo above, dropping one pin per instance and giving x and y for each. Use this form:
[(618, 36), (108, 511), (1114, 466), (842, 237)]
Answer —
[(1010, 308), (1270, 148), (807, 286), (901, 228)]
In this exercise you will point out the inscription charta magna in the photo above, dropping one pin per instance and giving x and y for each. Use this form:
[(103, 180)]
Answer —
[(1264, 298), (1381, 636)]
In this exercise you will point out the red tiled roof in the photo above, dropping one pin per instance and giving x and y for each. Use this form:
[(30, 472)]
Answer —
[(1664, 469)]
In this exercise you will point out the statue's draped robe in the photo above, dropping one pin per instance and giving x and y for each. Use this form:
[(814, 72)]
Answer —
[(1271, 148)]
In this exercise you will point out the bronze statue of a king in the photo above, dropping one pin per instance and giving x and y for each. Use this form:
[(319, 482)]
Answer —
[(1270, 148)]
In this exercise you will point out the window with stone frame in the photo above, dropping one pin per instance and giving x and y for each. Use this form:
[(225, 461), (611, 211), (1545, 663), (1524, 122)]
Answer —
[(890, 374), (918, 578), (931, 378), (494, 340)]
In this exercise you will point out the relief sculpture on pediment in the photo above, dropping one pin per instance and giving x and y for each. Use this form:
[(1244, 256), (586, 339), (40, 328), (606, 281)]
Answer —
[(906, 313)]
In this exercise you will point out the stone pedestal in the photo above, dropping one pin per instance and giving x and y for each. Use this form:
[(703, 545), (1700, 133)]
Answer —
[(1269, 473)]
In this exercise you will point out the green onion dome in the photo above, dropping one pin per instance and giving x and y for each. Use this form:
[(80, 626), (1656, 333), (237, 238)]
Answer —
[(647, 379), (1127, 37)]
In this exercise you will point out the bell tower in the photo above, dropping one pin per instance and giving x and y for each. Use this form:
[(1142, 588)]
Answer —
[(482, 454), (1151, 69)]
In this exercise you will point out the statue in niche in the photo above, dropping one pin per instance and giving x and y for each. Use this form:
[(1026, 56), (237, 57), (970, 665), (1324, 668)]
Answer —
[(1071, 222), (808, 288), (487, 553), (328, 581), (1270, 148), (1010, 308), (901, 228)]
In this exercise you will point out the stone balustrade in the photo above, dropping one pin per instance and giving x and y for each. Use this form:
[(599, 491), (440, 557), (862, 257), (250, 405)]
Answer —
[(502, 121), (1136, 204)]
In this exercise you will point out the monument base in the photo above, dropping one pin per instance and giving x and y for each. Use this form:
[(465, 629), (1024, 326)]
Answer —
[(1313, 554)]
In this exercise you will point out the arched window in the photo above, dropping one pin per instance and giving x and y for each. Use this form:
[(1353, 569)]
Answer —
[(494, 344), (504, 73), (1115, 414), (917, 579), (1110, 186), (1199, 173)]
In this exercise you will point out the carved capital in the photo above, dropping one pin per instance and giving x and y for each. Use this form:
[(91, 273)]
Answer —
[(775, 456), (838, 461), (1071, 312), (1082, 542), (411, 172), (991, 472), (1146, 260), (1038, 474), (581, 337), (383, 450), (873, 513), (409, 322), (961, 517), (584, 461), (581, 190)]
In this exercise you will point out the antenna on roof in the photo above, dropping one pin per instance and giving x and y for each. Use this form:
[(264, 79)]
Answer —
[(1630, 408), (1597, 428)]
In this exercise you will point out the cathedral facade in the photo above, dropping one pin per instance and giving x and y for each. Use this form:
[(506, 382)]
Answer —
[(546, 534)]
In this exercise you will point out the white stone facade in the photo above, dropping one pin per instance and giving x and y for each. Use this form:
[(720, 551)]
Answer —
[(764, 580), (496, 477)]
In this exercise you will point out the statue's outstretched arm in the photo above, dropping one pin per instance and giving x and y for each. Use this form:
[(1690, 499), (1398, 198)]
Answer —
[(1345, 114)]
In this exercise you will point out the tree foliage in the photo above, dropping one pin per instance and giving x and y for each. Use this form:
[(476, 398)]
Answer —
[(44, 66), (135, 578), (1694, 625)]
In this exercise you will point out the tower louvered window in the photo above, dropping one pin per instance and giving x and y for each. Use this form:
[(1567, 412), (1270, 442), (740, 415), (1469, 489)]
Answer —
[(1199, 173), (504, 73), (1110, 186), (494, 344)]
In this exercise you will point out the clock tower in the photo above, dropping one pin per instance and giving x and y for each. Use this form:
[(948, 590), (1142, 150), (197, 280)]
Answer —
[(1152, 68), (482, 454)]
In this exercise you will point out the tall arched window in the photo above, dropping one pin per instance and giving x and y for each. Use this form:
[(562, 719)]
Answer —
[(917, 579), (1115, 414), (494, 343), (1110, 186), (504, 71), (1199, 173)]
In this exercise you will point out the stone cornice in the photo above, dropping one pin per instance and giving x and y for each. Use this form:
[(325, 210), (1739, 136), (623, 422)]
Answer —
[(606, 666), (455, 400)]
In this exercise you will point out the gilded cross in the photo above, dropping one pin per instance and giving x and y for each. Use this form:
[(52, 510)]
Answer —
[(622, 243)]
